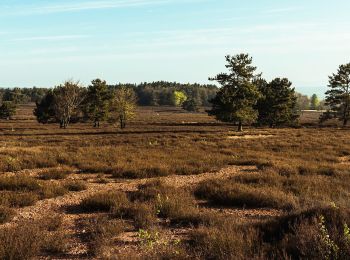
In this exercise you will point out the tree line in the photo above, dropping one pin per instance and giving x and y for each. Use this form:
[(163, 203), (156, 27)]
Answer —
[(71, 103), (245, 97)]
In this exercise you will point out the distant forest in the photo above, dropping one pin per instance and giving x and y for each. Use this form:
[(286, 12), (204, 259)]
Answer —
[(160, 93)]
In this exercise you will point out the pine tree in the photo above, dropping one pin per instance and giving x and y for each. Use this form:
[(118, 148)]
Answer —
[(97, 101), (238, 95), (45, 111), (277, 106), (338, 96)]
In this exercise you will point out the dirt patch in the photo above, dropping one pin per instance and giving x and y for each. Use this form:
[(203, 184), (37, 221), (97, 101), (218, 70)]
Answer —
[(248, 136), (68, 207)]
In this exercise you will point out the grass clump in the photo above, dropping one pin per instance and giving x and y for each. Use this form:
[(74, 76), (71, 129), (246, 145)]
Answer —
[(6, 214), (75, 186), (169, 202), (229, 193), (105, 202), (29, 239), (100, 232), (19, 183), (225, 240), (55, 174)]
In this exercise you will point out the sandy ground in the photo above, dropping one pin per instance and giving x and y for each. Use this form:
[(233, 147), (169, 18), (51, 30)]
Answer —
[(128, 241)]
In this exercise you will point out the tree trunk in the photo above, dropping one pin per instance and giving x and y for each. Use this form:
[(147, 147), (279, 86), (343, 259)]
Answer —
[(240, 127), (345, 121)]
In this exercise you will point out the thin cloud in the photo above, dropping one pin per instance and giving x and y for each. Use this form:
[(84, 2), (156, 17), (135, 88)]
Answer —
[(281, 10), (52, 38), (87, 5)]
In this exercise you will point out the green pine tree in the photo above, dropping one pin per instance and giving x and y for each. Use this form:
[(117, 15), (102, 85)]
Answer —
[(277, 106), (235, 101), (338, 95), (97, 101)]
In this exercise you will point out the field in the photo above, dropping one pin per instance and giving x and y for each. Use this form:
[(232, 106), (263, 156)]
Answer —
[(173, 185)]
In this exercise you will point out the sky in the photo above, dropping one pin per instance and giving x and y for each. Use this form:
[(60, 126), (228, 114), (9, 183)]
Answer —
[(43, 43)]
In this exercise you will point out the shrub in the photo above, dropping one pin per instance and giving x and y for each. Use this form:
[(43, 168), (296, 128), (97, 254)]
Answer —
[(240, 195), (6, 214), (75, 186), (143, 215), (101, 230), (55, 174), (18, 199), (105, 201), (226, 240), (18, 183), (52, 190), (22, 242), (311, 234)]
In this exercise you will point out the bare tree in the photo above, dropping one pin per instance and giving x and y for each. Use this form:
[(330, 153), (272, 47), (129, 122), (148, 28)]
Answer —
[(123, 105), (67, 99)]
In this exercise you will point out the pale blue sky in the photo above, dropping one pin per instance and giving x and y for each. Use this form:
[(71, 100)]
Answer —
[(44, 42)]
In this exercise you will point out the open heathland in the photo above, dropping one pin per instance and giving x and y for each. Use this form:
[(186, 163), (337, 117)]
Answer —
[(173, 185)]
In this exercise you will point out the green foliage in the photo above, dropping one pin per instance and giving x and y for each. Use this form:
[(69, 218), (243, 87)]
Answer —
[(238, 95), (190, 105), (179, 98), (60, 104), (123, 105), (331, 248), (97, 101), (338, 96), (160, 93), (278, 102), (7, 110), (314, 102), (44, 111)]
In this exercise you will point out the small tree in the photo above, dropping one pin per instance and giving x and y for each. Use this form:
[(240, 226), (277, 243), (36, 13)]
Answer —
[(7, 110), (277, 104), (238, 95), (45, 111), (179, 98), (123, 105), (97, 101), (67, 99), (315, 102), (338, 96), (190, 105)]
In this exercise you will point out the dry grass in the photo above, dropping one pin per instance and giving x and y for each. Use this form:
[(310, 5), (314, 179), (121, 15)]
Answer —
[(302, 171)]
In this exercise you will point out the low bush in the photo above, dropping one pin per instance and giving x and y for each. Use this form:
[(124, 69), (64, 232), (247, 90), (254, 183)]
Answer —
[(105, 202), (19, 183), (29, 239), (100, 232), (75, 185), (229, 193), (321, 233), (226, 240), (6, 214), (55, 174), (143, 215), (18, 199)]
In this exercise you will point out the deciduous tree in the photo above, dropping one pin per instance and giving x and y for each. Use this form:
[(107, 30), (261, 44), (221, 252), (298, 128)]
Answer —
[(68, 98), (314, 102), (7, 110), (123, 105)]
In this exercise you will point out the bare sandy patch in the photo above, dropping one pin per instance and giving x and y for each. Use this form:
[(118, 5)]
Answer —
[(248, 136)]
